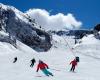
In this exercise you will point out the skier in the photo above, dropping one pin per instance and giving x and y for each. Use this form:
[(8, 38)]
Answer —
[(15, 59), (75, 41), (74, 64), (32, 62), (43, 67)]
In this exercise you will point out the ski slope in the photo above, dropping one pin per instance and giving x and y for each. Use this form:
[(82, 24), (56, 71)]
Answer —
[(58, 59)]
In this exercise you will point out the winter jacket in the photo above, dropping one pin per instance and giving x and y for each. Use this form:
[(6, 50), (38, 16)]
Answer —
[(42, 66), (33, 61), (74, 62)]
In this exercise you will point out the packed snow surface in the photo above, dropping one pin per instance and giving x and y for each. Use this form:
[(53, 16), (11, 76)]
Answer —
[(58, 59)]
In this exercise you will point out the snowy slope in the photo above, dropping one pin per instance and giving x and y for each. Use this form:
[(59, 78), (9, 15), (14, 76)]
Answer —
[(92, 44), (58, 60)]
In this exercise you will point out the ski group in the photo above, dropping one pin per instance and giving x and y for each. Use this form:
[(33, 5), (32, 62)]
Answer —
[(44, 67)]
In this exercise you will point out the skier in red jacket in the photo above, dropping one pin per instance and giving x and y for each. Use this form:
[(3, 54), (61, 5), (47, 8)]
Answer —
[(43, 67), (74, 64)]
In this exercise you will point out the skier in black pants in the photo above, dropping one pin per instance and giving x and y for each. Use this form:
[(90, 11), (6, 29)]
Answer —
[(15, 59), (32, 62), (74, 64)]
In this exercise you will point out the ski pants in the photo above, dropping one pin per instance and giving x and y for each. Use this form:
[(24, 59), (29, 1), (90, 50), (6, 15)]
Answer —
[(32, 64), (46, 72), (72, 68)]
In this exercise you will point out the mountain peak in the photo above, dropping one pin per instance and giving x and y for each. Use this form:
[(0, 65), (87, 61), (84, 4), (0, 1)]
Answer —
[(17, 24)]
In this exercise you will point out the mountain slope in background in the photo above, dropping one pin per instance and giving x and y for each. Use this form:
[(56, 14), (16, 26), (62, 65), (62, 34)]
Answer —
[(21, 26)]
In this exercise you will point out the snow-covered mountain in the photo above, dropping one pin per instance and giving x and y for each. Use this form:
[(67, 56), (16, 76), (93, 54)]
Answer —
[(79, 33), (19, 25), (16, 27)]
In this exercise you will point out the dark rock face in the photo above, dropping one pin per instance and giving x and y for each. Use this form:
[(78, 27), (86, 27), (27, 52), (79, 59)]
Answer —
[(97, 27), (77, 33), (24, 31)]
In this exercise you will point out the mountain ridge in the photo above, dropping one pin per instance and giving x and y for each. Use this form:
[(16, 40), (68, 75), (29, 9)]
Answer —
[(17, 24)]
